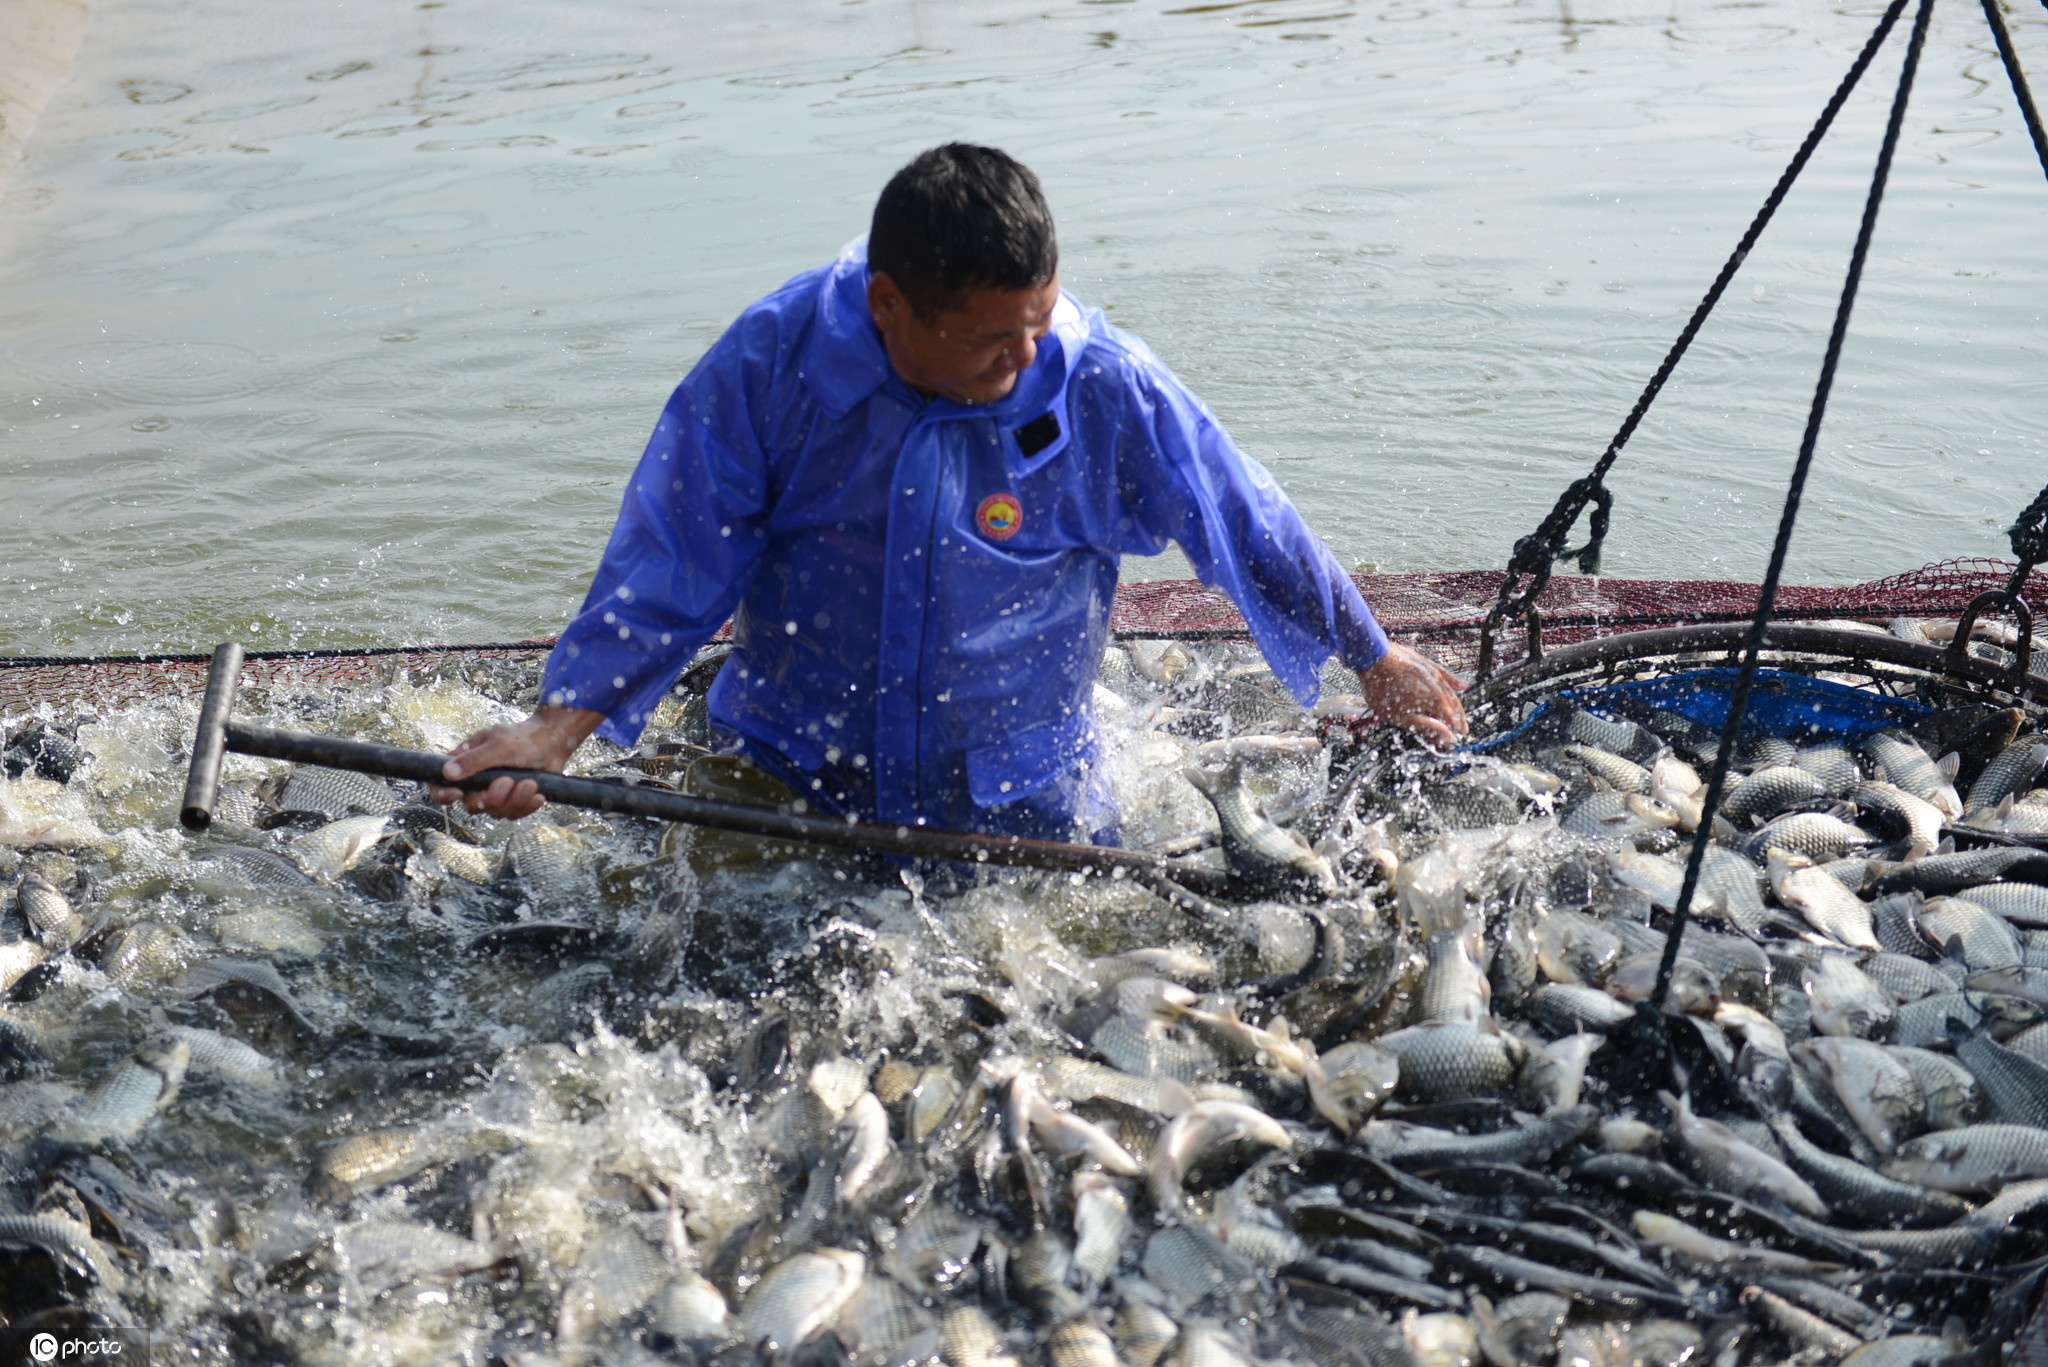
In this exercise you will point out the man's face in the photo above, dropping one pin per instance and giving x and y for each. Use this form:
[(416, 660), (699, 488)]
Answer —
[(972, 352)]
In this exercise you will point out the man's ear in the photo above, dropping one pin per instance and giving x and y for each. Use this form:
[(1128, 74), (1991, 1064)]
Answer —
[(886, 300)]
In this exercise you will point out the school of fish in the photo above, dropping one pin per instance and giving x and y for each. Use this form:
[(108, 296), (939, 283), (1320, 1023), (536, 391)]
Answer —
[(352, 1078)]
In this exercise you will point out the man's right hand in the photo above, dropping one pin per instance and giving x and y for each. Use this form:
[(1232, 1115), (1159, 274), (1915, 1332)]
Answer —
[(544, 740)]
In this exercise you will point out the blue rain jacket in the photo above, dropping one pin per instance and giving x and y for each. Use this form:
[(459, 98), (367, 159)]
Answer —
[(920, 589)]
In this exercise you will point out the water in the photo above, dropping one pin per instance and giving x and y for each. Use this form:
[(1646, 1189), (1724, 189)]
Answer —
[(346, 332)]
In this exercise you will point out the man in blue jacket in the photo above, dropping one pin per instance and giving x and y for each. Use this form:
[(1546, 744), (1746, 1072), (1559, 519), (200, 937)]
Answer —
[(908, 478)]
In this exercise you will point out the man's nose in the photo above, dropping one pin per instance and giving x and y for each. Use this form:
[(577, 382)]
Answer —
[(1020, 354)]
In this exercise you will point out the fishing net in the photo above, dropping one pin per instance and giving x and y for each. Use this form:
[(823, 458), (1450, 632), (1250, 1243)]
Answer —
[(1440, 613)]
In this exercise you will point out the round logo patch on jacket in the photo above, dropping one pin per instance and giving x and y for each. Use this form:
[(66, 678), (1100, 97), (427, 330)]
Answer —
[(999, 516)]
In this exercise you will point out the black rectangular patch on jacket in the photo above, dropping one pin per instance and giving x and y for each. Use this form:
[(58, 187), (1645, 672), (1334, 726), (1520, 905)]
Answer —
[(1041, 432)]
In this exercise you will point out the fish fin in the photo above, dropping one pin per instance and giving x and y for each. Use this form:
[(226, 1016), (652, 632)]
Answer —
[(1947, 845), (1207, 782), (1280, 1029), (1724, 829), (1950, 765)]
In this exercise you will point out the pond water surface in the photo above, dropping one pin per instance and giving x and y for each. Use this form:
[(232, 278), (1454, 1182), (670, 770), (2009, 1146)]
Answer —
[(345, 330)]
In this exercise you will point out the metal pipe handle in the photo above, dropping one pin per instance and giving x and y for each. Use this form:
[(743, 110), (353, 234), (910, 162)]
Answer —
[(209, 746)]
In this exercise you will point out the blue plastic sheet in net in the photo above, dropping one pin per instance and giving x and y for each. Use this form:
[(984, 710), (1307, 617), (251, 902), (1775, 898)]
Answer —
[(1796, 706)]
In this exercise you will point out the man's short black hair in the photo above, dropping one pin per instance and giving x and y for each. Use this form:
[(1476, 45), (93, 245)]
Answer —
[(962, 217)]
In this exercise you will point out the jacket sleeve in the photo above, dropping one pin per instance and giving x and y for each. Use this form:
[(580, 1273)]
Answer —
[(1194, 486), (691, 526)]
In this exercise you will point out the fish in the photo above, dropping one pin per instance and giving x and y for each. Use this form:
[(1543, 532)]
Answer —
[(1263, 857), (1880, 1093), (1722, 1159), (1972, 1159), (1816, 836), (799, 1296), (1452, 1060), (1904, 763), (1912, 818), (333, 849), (1826, 905), (1697, 1246), (2015, 1087), (617, 1275), (1617, 816), (129, 1095), (1845, 1000), (48, 912), (689, 1311), (1764, 793), (1962, 929), (335, 793), (382, 1254), (1102, 1225), (365, 1162), (1205, 1126), (2013, 770), (1351, 1081), (1855, 1191)]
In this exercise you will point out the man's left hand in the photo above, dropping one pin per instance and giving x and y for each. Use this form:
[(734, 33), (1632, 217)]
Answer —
[(1407, 688)]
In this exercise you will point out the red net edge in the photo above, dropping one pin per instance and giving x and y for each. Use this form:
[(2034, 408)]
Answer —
[(1439, 612)]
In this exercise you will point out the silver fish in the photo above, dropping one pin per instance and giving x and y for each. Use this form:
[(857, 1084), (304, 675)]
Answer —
[(1879, 1091), (2013, 770), (1921, 819), (1452, 1060), (1205, 1126), (335, 793), (1828, 907), (1975, 1158), (1948, 1089), (1617, 816), (1982, 940), (690, 1310), (1352, 1081), (2023, 904), (1722, 1159), (1832, 763), (1611, 770), (1816, 835), (1102, 1225), (333, 849), (128, 1096), (1845, 1001), (799, 1296), (618, 1274), (971, 1339), (1768, 791), (48, 912), (222, 1056), (865, 1130), (381, 1254), (1697, 1246), (2015, 1087), (1907, 765), (1261, 855)]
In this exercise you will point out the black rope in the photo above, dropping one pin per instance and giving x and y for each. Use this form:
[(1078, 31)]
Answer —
[(2008, 54), (1534, 554), (1738, 705), (2029, 538)]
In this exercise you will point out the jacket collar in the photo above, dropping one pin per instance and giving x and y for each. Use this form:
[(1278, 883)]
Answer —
[(844, 361)]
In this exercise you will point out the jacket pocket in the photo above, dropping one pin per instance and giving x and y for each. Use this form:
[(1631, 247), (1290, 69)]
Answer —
[(1027, 761)]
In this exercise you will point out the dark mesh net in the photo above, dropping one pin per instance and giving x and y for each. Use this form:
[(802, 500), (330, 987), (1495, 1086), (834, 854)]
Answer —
[(1440, 613)]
